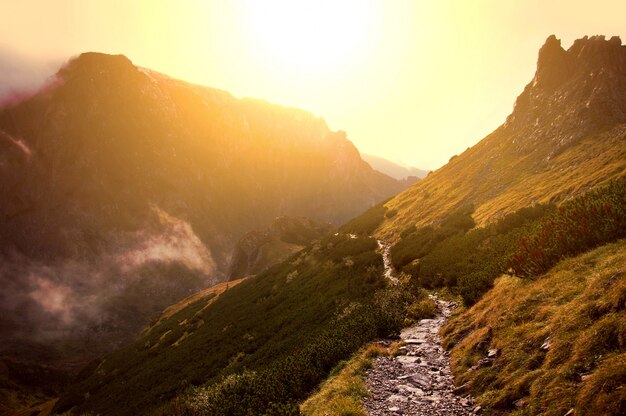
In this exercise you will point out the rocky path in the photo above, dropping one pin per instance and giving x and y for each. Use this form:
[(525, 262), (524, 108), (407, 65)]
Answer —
[(418, 381), (384, 250)]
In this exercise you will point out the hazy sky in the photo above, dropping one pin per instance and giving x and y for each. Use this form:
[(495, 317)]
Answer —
[(413, 81)]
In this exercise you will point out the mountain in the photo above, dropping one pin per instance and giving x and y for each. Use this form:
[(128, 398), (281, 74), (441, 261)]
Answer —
[(124, 191), (258, 250), (393, 169), (546, 185), (566, 135)]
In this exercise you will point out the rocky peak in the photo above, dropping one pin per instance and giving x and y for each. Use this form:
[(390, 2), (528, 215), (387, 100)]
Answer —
[(93, 63), (574, 91), (553, 64)]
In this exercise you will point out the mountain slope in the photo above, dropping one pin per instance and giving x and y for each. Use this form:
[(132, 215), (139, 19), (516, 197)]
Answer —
[(567, 134), (560, 339), (124, 191), (269, 339), (518, 157), (258, 250)]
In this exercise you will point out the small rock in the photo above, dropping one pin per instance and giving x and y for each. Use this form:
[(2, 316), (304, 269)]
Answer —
[(477, 410), (414, 341), (396, 398), (546, 345), (407, 359), (520, 403), (483, 362), (493, 353), (394, 409)]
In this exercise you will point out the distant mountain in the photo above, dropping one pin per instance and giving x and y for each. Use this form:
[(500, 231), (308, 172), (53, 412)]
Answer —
[(393, 169), (124, 190), (566, 135), (258, 250)]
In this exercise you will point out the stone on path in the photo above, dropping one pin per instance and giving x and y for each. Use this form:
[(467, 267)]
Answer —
[(419, 381)]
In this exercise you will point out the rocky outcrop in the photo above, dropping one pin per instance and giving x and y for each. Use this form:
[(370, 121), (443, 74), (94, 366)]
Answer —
[(564, 137), (574, 92)]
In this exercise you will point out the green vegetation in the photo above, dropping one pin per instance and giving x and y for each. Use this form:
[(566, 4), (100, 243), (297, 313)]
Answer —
[(366, 223), (276, 388), (343, 391), (561, 339), (455, 256), (528, 242), (586, 222), (259, 347)]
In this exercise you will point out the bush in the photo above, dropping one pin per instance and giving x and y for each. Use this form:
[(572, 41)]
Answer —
[(578, 225), (274, 389)]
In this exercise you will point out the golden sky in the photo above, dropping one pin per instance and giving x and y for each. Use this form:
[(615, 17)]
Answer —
[(415, 81)]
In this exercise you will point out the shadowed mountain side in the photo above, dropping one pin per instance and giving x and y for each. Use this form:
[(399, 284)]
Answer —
[(258, 250), (124, 191), (567, 134)]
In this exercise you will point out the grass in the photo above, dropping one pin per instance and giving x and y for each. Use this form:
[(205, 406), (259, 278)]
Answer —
[(344, 390), (577, 310), (342, 393), (506, 182)]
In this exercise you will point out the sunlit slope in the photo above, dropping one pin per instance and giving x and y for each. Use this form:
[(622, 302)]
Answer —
[(560, 339), (567, 134)]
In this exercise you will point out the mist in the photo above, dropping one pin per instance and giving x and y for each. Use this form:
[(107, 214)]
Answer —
[(21, 77)]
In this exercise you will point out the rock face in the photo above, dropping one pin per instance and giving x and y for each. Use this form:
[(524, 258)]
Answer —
[(123, 191), (573, 94), (566, 135), (258, 250), (419, 380)]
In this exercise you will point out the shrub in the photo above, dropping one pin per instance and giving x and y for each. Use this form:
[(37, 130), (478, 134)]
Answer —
[(578, 225)]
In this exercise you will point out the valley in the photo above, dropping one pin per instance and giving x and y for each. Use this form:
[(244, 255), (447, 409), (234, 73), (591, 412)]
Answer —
[(169, 249)]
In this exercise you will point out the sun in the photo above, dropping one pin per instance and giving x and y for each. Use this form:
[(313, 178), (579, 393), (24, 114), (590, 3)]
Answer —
[(310, 36)]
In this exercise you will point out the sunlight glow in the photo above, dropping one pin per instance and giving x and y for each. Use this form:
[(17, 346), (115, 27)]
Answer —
[(310, 36)]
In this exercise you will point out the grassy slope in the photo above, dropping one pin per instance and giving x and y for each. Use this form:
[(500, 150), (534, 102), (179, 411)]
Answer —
[(247, 327), (343, 391), (498, 181), (579, 306)]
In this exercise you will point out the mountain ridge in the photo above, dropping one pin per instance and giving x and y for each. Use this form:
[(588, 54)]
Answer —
[(125, 190), (566, 134)]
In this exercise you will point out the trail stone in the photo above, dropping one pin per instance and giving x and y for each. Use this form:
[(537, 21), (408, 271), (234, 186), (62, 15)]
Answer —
[(417, 382)]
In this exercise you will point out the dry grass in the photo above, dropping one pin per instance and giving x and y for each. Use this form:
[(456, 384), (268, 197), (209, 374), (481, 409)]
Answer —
[(341, 394), (580, 306), (497, 180)]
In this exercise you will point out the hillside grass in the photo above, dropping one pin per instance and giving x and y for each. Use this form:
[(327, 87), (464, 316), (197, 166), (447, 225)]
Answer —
[(498, 181), (260, 346), (344, 390), (527, 242), (561, 339)]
